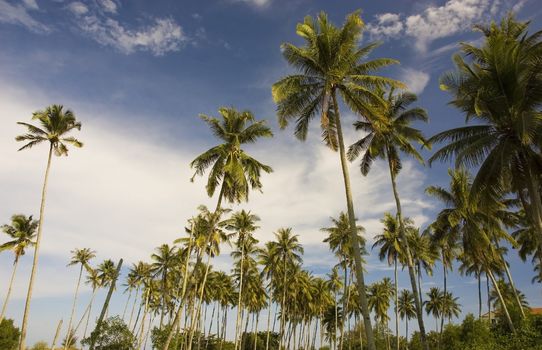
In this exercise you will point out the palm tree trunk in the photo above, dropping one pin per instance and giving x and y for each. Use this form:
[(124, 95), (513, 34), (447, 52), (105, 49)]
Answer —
[(479, 295), (282, 309), (69, 334), (237, 321), (200, 300), (24, 326), (353, 231), (178, 315), (504, 307), (406, 331), (256, 330), (89, 311), (57, 332), (445, 291), (396, 305), (268, 321), (345, 300), (133, 308), (142, 327), (419, 272), (536, 202), (126, 305), (4, 307), (404, 243), (488, 300), (336, 321), (511, 281)]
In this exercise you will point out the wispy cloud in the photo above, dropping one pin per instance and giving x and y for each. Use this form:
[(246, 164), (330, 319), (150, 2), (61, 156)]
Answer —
[(415, 80), (161, 36), (256, 3), (436, 22), (19, 14)]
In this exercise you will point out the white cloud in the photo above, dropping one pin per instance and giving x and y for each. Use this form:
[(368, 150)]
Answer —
[(18, 14), (436, 22), (163, 36), (31, 4), (78, 8), (108, 6), (415, 80), (257, 3)]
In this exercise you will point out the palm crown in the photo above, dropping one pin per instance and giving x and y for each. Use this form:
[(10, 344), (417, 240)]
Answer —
[(55, 124), (230, 165), (22, 231)]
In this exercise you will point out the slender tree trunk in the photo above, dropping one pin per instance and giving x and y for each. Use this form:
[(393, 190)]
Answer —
[(133, 308), (282, 309), (488, 300), (212, 319), (106, 305), (345, 311), (199, 302), (142, 327), (268, 321), (24, 327), (4, 307), (89, 312), (256, 330), (504, 307), (512, 284), (237, 325), (420, 283), (396, 305), (336, 322), (406, 332), (536, 203), (445, 291), (126, 305), (479, 295), (57, 332), (178, 315), (69, 334), (404, 243), (353, 231)]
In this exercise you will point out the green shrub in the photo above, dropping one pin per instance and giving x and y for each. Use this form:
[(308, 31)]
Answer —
[(113, 335), (9, 335)]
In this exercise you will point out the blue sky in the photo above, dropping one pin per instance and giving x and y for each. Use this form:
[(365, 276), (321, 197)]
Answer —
[(138, 73)]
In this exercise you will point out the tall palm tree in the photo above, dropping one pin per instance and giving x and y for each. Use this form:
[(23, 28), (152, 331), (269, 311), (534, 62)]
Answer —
[(56, 123), (22, 232), (423, 255), (164, 261), (391, 249), (339, 240), (380, 294), (334, 284), (79, 257), (497, 86), (386, 138), (508, 297), (406, 307), (231, 167), (469, 266), (450, 307), (433, 304), (332, 62)]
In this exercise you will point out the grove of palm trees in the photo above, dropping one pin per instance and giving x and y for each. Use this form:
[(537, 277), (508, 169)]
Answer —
[(271, 297)]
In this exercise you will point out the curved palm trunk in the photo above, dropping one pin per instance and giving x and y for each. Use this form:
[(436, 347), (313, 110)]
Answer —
[(353, 234), (239, 299), (512, 284), (505, 309), (396, 305), (404, 243), (479, 295), (89, 312), (126, 305), (133, 308), (4, 307), (26, 313), (178, 316), (57, 332), (69, 333)]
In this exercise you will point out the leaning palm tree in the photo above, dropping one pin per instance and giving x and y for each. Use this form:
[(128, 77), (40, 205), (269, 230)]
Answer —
[(22, 232), (386, 138), (55, 124), (231, 167), (80, 257), (497, 86), (406, 307), (164, 261), (332, 63)]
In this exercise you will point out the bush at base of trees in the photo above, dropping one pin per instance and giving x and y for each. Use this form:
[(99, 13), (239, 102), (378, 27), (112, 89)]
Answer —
[(113, 335), (9, 335)]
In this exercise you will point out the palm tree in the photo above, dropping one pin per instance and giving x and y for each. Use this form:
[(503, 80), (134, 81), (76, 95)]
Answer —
[(334, 284), (331, 62), (386, 137), (164, 261), (243, 224), (423, 255), (497, 86), (433, 305), (339, 241), (231, 166), (55, 124), (380, 294), (390, 249), (470, 265), (508, 297), (450, 307), (22, 233), (406, 307), (81, 257)]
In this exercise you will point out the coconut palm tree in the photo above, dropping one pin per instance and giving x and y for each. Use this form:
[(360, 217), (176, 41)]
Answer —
[(496, 86), (332, 63), (386, 138), (164, 261), (469, 266), (406, 307), (22, 232), (433, 304), (334, 284), (508, 297), (380, 294), (231, 167), (450, 307), (339, 240), (423, 255), (79, 257), (55, 125), (243, 224)]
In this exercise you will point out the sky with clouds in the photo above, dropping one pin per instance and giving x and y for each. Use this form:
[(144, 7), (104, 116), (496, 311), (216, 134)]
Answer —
[(138, 74)]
